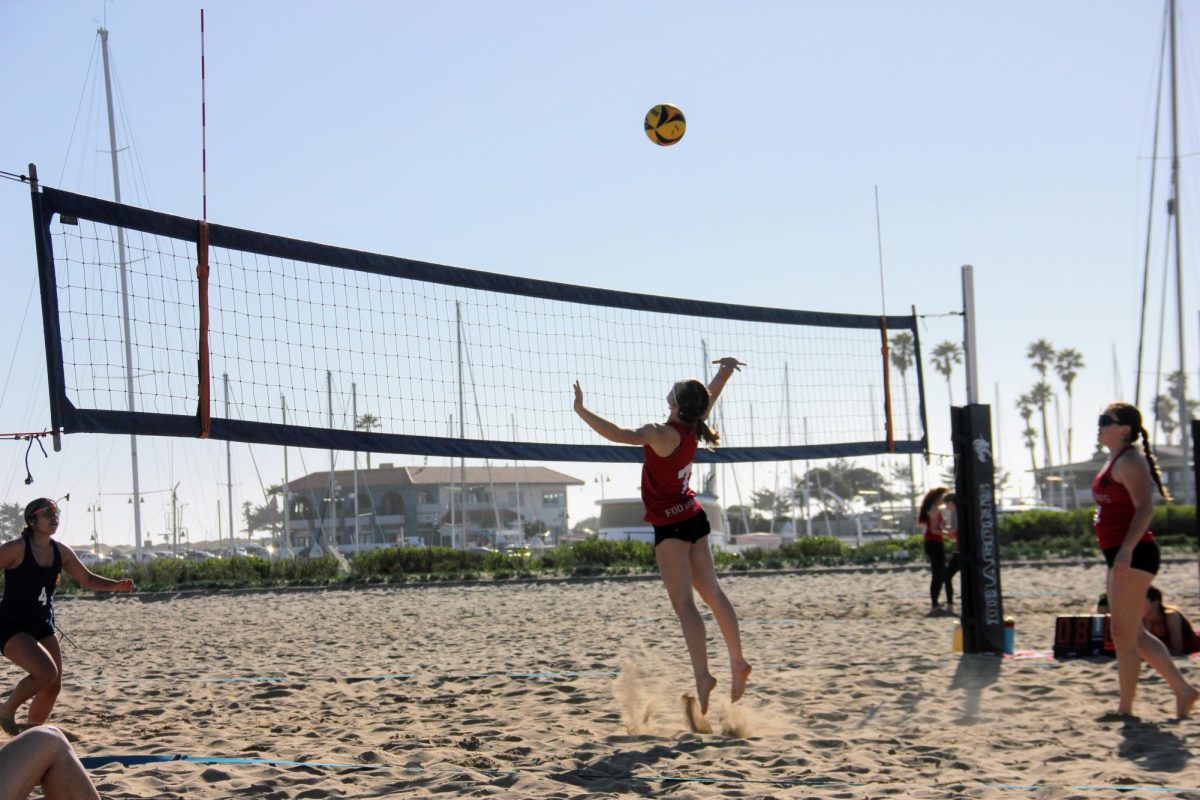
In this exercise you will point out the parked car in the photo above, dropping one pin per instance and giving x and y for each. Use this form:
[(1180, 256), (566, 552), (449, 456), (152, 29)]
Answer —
[(199, 555)]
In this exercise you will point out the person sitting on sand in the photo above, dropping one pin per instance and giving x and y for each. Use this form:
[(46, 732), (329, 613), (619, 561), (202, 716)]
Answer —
[(1124, 507), (1170, 625), (681, 527), (43, 757), (31, 567)]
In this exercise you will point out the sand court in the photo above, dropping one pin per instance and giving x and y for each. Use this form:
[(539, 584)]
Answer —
[(571, 689)]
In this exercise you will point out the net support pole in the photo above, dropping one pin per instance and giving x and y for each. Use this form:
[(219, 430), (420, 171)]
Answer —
[(46, 283), (287, 488), (1196, 482), (979, 546), (970, 351)]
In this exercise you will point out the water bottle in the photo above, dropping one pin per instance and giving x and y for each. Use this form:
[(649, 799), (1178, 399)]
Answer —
[(1010, 636)]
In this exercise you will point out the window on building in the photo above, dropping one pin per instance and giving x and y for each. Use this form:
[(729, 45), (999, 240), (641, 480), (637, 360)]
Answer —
[(392, 505), (425, 498), (554, 498)]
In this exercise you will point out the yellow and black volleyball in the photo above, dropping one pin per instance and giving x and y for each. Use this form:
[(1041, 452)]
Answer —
[(665, 124)]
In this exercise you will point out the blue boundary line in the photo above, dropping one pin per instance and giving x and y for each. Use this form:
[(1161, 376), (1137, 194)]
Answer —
[(400, 676), (141, 759)]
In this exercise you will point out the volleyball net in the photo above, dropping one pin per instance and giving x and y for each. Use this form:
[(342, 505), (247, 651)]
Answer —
[(160, 325)]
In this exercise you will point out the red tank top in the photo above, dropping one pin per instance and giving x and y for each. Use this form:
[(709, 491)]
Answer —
[(1114, 508), (665, 492), (932, 535)]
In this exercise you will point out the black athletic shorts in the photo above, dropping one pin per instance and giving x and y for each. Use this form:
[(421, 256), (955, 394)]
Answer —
[(37, 628), (692, 529), (1145, 557)]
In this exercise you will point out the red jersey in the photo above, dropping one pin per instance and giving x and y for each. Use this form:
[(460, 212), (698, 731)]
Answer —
[(934, 534), (665, 492), (1114, 508)]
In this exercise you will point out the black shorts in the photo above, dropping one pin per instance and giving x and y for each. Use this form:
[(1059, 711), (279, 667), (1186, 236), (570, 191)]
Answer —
[(1145, 557), (37, 628), (692, 529)]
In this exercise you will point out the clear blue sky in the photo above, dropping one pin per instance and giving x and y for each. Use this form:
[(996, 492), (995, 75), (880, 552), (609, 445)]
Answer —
[(507, 137)]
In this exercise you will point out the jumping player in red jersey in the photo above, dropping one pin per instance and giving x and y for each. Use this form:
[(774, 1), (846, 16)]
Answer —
[(680, 525), (31, 567), (1124, 507)]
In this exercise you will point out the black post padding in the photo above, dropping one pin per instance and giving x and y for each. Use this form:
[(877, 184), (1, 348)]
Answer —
[(1196, 471), (978, 540)]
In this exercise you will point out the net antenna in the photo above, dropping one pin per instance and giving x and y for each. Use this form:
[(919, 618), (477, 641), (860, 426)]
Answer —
[(279, 316)]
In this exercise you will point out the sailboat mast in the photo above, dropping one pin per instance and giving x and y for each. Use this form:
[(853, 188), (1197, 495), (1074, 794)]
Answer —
[(1185, 423), (116, 173)]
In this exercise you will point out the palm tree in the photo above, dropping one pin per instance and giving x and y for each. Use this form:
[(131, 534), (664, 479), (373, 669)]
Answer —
[(367, 422), (1177, 389), (1025, 406), (1041, 394), (1164, 414), (903, 351), (945, 356), (1067, 364), (1041, 353)]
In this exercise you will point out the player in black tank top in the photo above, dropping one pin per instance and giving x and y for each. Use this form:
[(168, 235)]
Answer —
[(32, 565)]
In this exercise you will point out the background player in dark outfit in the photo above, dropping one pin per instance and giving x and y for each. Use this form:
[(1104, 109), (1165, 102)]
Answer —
[(31, 567)]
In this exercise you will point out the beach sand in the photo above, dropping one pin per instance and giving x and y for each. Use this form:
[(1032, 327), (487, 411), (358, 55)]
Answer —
[(572, 689)]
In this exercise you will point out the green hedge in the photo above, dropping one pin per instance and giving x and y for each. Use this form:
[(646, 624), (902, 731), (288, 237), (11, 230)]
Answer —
[(1031, 534), (1069, 533)]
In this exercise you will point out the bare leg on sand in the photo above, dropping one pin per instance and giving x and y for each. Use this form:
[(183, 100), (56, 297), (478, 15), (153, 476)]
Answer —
[(704, 580), (42, 757), (674, 565)]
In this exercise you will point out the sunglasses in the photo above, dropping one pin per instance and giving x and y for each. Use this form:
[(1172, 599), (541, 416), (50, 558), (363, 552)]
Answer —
[(49, 511), (1106, 420)]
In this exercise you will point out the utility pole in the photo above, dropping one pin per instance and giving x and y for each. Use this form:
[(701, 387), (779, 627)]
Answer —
[(174, 521)]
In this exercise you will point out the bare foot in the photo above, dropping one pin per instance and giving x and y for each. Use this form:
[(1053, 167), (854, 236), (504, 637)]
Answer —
[(695, 717), (1183, 705), (740, 674), (704, 692)]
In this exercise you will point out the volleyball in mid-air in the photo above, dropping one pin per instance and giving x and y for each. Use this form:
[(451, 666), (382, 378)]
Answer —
[(665, 124)]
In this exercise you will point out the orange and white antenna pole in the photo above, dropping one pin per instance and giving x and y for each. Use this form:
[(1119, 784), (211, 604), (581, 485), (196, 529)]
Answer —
[(204, 384), (203, 130)]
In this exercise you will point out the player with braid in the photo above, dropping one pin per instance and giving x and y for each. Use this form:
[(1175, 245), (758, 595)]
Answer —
[(1124, 507), (680, 525)]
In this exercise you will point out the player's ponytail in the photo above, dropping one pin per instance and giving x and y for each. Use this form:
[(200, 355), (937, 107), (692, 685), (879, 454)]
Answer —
[(1153, 462), (692, 399), (1126, 414)]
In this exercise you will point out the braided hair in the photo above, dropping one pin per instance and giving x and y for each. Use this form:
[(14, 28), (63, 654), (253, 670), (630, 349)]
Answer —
[(692, 399), (1127, 414)]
